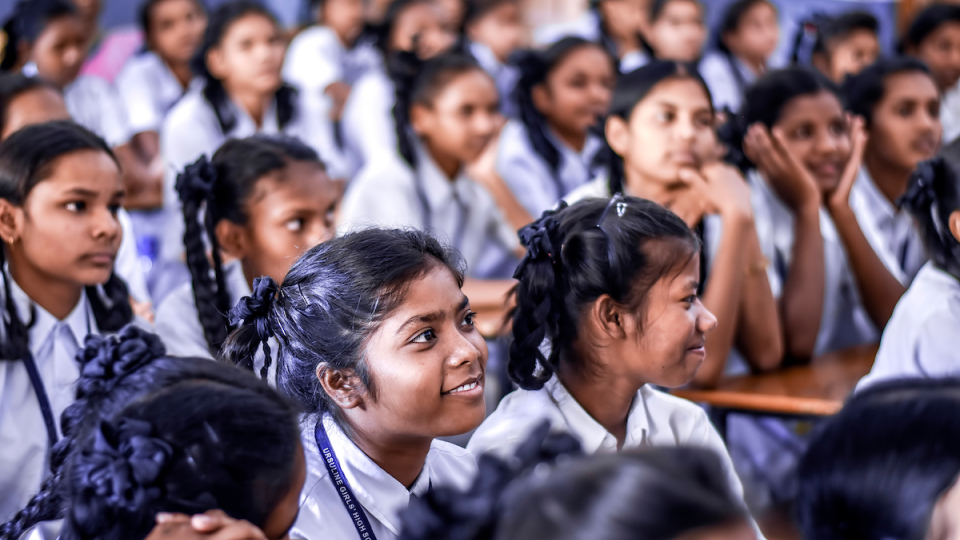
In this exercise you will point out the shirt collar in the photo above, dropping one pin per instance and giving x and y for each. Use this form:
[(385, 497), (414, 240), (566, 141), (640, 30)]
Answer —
[(485, 57), (592, 435), (245, 123), (590, 148), (882, 209), (79, 321), (437, 188)]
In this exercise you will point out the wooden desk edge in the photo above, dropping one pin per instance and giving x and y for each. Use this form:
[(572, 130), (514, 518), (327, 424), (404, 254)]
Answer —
[(762, 402)]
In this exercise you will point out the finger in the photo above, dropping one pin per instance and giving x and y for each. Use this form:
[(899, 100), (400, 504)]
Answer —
[(780, 141), (211, 520), (239, 530), (690, 177), (168, 517)]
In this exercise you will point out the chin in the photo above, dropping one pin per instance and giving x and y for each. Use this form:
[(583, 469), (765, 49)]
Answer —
[(463, 422)]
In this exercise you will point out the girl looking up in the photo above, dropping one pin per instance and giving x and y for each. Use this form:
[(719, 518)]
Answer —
[(60, 191), (549, 150), (377, 344), (261, 202), (661, 132)]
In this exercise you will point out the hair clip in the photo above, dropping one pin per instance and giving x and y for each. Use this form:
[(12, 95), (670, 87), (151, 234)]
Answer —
[(617, 201)]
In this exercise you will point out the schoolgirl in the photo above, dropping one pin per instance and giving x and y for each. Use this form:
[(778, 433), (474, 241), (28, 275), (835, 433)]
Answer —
[(369, 128), (900, 105), (60, 191), (617, 25), (436, 182), (377, 344), (549, 150), (920, 340), (838, 46), (748, 35), (664, 149), (260, 201), (611, 285), (934, 38), (677, 30), (494, 30)]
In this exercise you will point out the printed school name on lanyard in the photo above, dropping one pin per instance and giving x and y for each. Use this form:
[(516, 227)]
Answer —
[(357, 515)]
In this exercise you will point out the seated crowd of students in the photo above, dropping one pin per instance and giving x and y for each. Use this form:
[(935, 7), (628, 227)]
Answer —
[(423, 277)]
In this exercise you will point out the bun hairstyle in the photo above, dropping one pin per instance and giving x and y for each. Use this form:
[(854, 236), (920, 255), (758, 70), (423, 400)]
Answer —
[(878, 468), (218, 24), (188, 448), (26, 23), (535, 66), (418, 82), (215, 190), (927, 22), (820, 32), (26, 158), (932, 196), (577, 254), (12, 85), (332, 299), (863, 91), (631, 89)]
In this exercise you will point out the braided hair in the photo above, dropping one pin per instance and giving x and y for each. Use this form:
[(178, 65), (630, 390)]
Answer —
[(219, 23), (575, 255), (26, 158), (215, 190), (932, 196), (332, 299), (26, 23)]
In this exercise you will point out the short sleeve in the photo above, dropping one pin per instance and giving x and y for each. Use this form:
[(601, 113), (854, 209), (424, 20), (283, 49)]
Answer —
[(935, 350), (715, 71), (113, 116), (368, 124), (379, 197), (139, 98), (313, 60)]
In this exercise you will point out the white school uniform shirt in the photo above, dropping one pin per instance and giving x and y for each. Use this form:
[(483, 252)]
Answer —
[(322, 514), (725, 87), (460, 213), (149, 90), (369, 130), (950, 114), (921, 339), (844, 321), (504, 76), (127, 264), (530, 177), (316, 59), (23, 433), (95, 104), (890, 231), (587, 27)]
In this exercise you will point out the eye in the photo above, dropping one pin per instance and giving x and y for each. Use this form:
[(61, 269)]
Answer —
[(704, 121), (295, 225), (905, 110), (470, 319), (692, 299), (666, 116), (75, 206), (114, 208), (426, 336)]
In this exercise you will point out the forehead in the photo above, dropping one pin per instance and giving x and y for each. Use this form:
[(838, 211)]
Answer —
[(248, 25), (681, 8), (65, 26), (35, 106), (419, 13), (470, 86), (914, 85), (299, 181), (678, 92), (946, 30), (436, 290), (166, 9), (822, 105), (87, 169)]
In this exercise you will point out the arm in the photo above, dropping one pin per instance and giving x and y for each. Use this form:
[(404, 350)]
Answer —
[(483, 171), (142, 171), (759, 335)]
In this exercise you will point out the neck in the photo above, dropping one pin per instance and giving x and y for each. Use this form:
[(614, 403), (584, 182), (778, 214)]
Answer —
[(182, 71), (448, 165), (757, 65), (605, 395), (635, 185), (572, 138), (890, 180), (56, 296), (255, 104), (402, 457)]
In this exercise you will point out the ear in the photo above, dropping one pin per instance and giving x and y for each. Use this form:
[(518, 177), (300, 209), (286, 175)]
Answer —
[(421, 118), (954, 224), (232, 238), (343, 386), (11, 221), (541, 97), (608, 317), (618, 135), (215, 63)]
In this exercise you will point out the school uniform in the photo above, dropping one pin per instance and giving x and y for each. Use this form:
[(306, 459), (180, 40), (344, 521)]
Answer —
[(368, 127), (727, 77), (529, 176), (148, 90), (950, 114), (922, 338), (382, 497), (23, 430), (95, 104), (460, 213), (316, 59), (504, 75), (127, 264), (890, 231), (588, 27)]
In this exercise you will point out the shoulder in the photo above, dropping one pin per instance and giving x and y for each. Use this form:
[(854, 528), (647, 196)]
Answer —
[(714, 62), (516, 416), (596, 188), (190, 107), (314, 38), (682, 421), (178, 325), (139, 66), (381, 193), (514, 145), (451, 464)]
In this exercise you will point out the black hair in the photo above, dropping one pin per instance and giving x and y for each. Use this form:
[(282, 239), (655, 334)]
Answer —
[(863, 91), (12, 85), (477, 9), (332, 299), (878, 468), (730, 22), (188, 448), (218, 25), (657, 7), (114, 371), (384, 31), (574, 256), (631, 89), (819, 33), (27, 158), (535, 67), (146, 13), (218, 189), (763, 103), (418, 82), (927, 22), (27, 22), (606, 41), (932, 196)]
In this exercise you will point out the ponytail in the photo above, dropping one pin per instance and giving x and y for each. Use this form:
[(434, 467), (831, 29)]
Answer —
[(931, 198), (255, 320)]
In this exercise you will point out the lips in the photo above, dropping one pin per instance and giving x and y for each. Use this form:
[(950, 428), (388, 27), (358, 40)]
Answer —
[(467, 386), (101, 258), (925, 145)]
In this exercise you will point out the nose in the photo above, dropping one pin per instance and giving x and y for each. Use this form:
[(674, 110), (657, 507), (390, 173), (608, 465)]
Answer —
[(464, 351), (706, 321), (826, 144), (106, 225), (684, 129)]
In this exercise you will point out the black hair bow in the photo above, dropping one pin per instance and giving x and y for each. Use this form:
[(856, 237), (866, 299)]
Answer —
[(920, 192), (105, 360), (256, 307), (540, 239), (197, 180)]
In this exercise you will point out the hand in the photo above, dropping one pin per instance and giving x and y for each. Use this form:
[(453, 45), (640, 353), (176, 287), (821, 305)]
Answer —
[(841, 195), (211, 525), (338, 92), (788, 177), (483, 169), (723, 189)]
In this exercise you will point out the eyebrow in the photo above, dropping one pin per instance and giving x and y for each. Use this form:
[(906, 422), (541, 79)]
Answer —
[(83, 192), (432, 316)]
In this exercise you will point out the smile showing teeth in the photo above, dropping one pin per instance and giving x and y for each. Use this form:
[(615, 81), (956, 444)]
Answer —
[(465, 388)]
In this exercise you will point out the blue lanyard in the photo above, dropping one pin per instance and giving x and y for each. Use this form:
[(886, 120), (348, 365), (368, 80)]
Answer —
[(353, 507), (45, 407)]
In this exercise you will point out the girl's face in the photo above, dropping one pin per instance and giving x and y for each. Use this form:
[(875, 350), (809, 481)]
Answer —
[(421, 28), (249, 55), (679, 32), (501, 29), (463, 118), (815, 131), (452, 12), (945, 521), (851, 54), (906, 122), (278, 524), (36, 106), (289, 211), (577, 92), (345, 17), (666, 341), (59, 51), (757, 35), (67, 228), (669, 129), (176, 30), (625, 18), (941, 52), (427, 362)]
